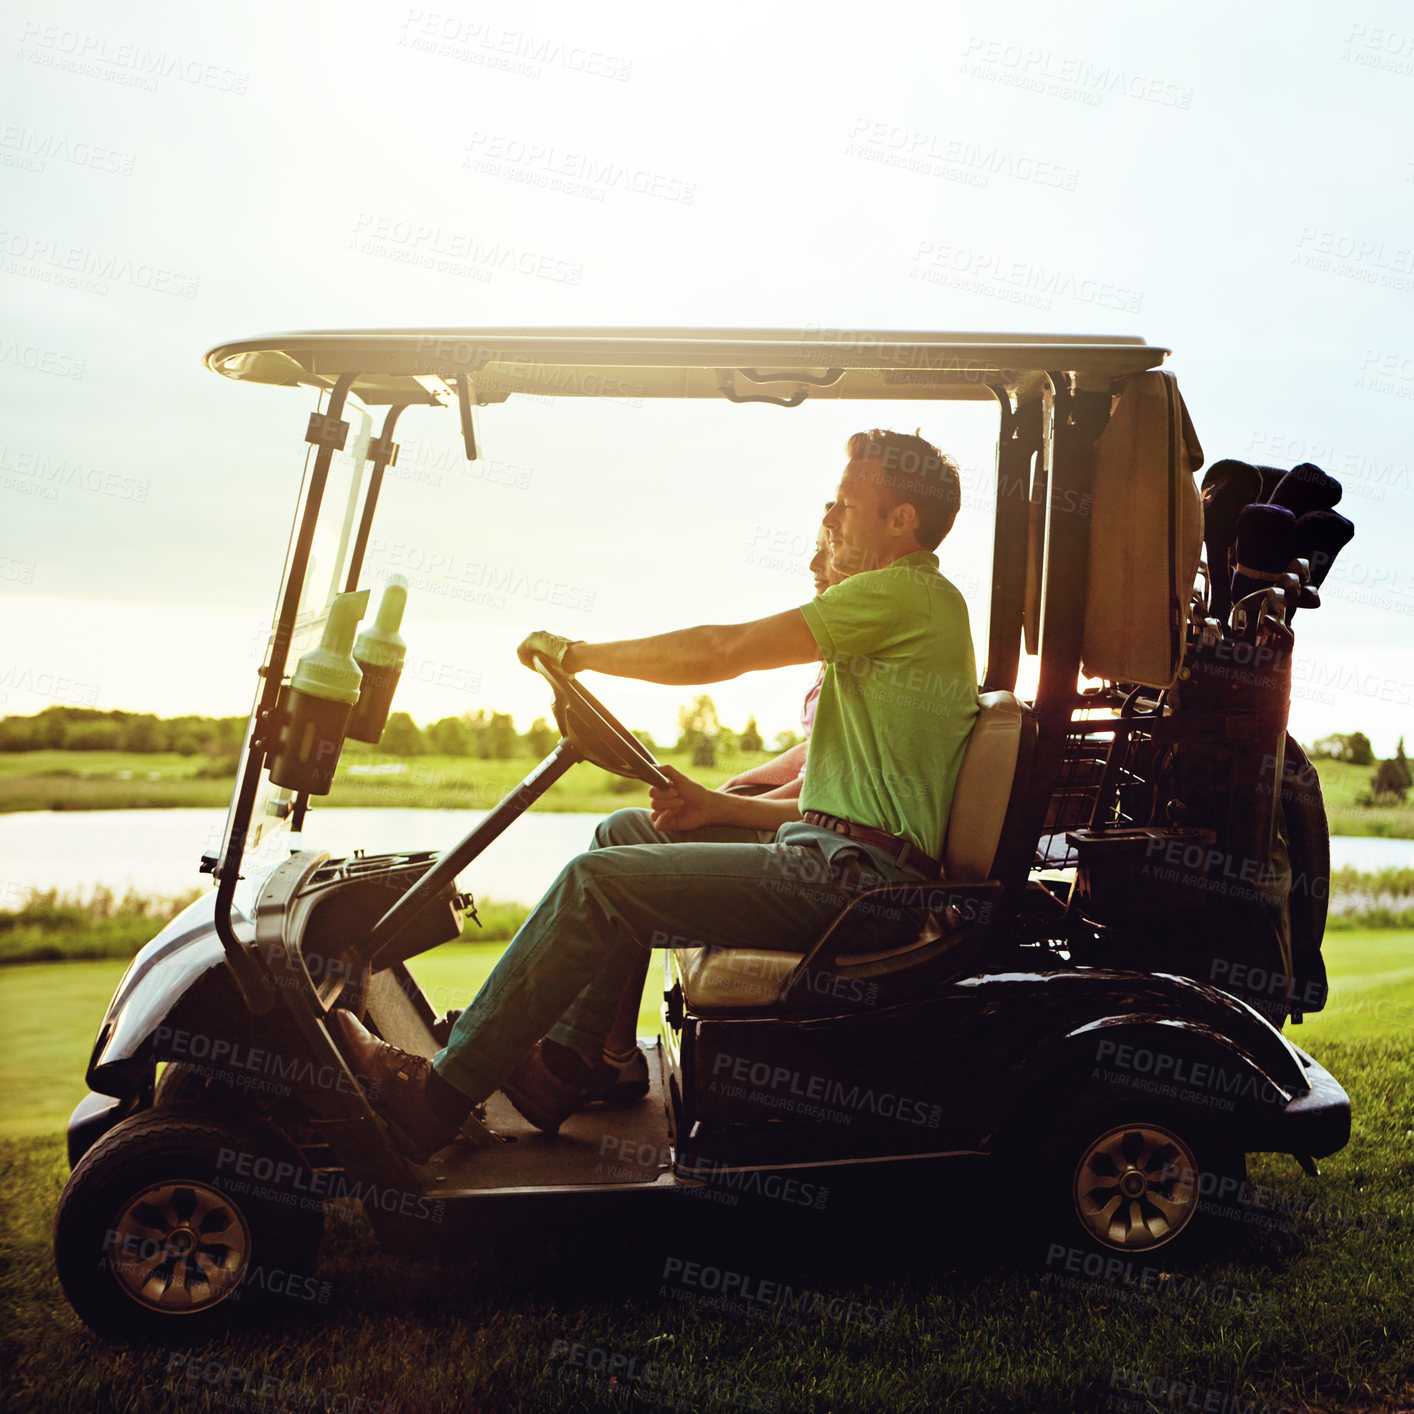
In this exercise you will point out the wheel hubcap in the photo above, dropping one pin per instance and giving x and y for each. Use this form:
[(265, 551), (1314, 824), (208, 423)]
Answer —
[(179, 1247), (1136, 1187)]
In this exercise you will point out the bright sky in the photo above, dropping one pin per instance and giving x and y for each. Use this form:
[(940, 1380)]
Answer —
[(1235, 183)]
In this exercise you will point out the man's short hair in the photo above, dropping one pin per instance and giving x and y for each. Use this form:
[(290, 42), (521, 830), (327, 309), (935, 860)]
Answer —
[(915, 472)]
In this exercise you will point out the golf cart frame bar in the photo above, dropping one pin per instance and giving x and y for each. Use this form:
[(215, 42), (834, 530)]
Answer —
[(1053, 392)]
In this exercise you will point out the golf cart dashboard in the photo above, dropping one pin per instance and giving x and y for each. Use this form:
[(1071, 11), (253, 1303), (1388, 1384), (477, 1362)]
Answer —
[(315, 915)]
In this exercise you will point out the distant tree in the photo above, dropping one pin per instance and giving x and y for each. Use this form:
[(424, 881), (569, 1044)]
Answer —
[(401, 737), (1353, 747), (143, 733), (17, 734), (501, 736), (541, 738), (450, 737), (700, 726), (751, 737), (1391, 779), (786, 740), (647, 739), (50, 727), (93, 736), (1388, 784)]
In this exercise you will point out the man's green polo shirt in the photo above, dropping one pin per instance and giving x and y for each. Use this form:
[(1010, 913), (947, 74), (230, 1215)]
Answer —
[(898, 701)]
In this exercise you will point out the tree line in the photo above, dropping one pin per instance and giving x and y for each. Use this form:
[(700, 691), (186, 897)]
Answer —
[(482, 734)]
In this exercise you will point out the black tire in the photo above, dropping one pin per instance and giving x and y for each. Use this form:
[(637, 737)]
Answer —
[(175, 1225), (1143, 1182)]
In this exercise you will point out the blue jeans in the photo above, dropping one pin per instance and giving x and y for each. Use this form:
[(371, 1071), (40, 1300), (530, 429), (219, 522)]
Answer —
[(564, 971)]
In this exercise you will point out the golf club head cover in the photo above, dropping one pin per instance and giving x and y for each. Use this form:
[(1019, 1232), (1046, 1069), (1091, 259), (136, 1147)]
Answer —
[(1306, 488), (1266, 545), (1227, 487), (1271, 477), (1320, 537)]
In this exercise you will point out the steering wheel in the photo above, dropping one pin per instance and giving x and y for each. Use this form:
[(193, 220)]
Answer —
[(594, 732)]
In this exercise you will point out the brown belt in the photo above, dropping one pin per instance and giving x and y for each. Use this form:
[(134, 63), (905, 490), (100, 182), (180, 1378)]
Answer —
[(902, 850)]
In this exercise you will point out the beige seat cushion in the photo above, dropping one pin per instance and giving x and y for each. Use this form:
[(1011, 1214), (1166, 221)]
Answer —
[(726, 977)]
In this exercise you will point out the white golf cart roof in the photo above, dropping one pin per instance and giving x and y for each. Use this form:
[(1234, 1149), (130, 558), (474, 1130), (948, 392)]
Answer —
[(769, 365)]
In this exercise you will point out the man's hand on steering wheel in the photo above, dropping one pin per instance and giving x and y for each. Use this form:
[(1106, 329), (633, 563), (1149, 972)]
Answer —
[(549, 645)]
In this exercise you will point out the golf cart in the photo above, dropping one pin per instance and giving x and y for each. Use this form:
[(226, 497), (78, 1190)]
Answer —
[(1089, 1000)]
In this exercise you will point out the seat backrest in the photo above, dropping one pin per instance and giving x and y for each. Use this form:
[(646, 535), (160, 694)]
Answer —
[(1146, 535), (984, 785)]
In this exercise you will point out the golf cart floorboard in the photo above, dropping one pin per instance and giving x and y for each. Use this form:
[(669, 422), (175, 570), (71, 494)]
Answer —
[(578, 1155)]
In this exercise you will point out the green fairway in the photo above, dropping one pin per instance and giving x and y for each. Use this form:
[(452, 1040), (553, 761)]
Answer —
[(50, 1012)]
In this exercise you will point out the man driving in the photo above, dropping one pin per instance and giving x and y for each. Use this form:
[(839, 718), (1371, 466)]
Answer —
[(895, 710)]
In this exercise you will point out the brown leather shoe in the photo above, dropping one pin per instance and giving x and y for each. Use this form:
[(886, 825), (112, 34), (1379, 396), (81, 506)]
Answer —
[(540, 1095), (396, 1084)]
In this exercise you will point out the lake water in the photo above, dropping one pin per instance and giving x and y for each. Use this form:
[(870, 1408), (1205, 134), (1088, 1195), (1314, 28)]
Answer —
[(157, 851)]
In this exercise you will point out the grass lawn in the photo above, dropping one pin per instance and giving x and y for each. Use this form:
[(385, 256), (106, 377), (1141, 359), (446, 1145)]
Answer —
[(1341, 784), (1324, 1321)]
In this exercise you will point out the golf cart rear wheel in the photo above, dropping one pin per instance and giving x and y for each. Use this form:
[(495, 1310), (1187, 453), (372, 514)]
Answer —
[(175, 1224), (1139, 1180)]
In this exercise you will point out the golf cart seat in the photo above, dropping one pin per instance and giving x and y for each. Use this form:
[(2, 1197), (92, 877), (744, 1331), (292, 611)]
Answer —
[(722, 977)]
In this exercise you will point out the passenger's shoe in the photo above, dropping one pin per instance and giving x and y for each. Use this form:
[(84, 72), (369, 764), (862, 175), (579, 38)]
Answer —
[(543, 1097), (611, 1085), (399, 1090)]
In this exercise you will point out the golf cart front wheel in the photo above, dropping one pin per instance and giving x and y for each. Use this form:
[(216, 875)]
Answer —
[(173, 1225)]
